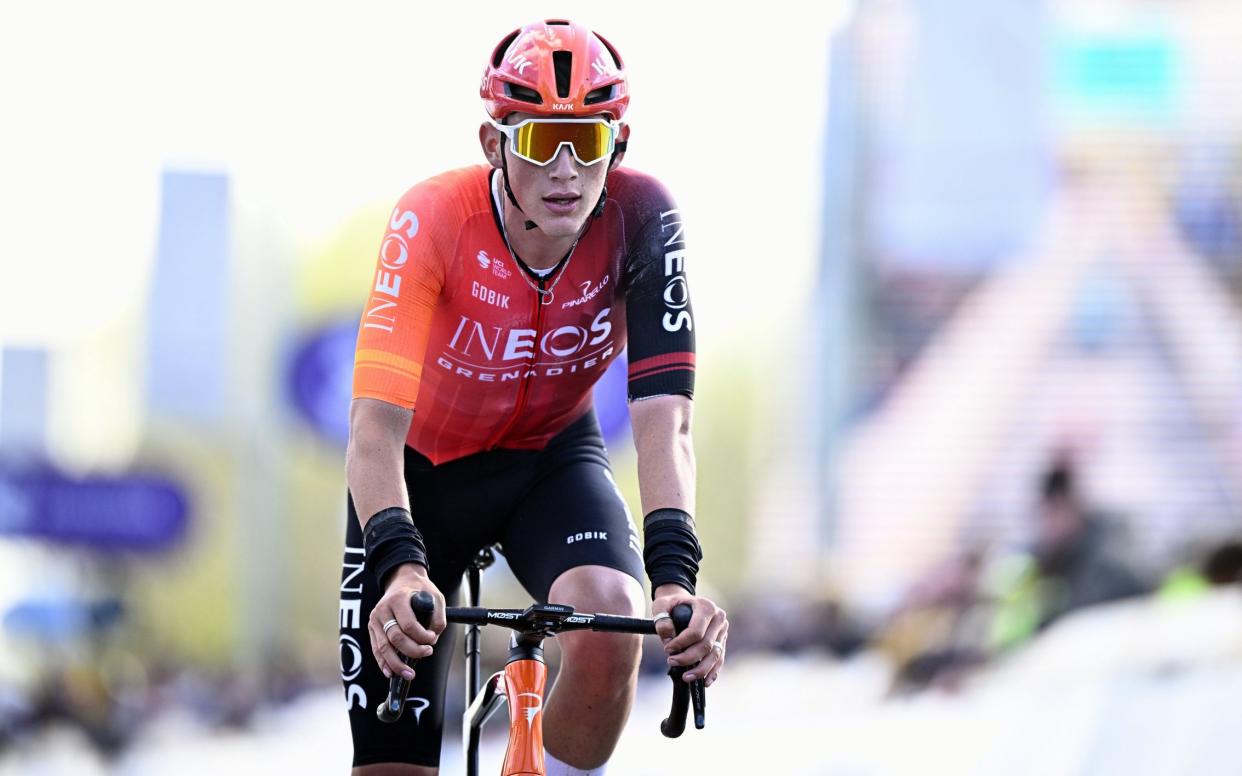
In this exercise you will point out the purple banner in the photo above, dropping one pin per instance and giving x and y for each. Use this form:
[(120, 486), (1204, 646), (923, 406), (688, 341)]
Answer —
[(141, 512)]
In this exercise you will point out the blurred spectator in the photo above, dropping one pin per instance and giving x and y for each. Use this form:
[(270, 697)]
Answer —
[(965, 610), (1217, 565), (1076, 550), (1075, 561), (1223, 565), (936, 633)]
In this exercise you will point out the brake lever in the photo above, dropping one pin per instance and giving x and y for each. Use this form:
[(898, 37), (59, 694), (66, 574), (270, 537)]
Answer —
[(398, 686), (684, 694)]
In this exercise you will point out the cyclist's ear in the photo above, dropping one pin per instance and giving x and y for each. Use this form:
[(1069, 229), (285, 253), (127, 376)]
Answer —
[(623, 137), (490, 140)]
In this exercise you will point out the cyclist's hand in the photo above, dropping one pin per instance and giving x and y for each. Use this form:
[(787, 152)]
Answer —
[(694, 647), (407, 636)]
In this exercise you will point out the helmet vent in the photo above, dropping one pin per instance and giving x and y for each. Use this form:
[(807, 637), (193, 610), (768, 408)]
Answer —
[(602, 94), (616, 58), (562, 64), (523, 94), (502, 48)]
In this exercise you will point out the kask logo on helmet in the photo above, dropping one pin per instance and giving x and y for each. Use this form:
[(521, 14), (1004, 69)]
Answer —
[(518, 60), (602, 66)]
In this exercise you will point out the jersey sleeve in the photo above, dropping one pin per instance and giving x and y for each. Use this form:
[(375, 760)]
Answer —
[(659, 318), (396, 322)]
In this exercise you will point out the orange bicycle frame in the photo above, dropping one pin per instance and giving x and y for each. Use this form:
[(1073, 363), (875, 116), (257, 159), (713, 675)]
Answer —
[(524, 685), (521, 685)]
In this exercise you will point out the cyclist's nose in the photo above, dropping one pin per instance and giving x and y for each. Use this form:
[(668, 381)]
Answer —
[(564, 166)]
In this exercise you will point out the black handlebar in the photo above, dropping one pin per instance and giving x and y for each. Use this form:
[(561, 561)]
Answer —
[(548, 620)]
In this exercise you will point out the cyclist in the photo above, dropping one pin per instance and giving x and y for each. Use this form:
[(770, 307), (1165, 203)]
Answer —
[(502, 293)]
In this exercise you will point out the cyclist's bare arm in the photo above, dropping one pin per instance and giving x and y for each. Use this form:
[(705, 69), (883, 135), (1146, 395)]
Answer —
[(666, 480), (374, 462), (374, 469), (665, 452)]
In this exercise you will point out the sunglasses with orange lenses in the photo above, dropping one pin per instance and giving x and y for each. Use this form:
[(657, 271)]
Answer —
[(538, 141)]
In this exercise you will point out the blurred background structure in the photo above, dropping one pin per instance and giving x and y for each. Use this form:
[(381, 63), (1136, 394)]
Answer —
[(968, 276)]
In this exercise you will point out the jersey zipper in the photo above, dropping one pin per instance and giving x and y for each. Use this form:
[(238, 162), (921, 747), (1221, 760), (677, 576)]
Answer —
[(524, 387)]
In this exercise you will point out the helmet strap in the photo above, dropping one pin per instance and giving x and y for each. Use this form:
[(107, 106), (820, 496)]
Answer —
[(617, 148), (599, 206), (504, 168)]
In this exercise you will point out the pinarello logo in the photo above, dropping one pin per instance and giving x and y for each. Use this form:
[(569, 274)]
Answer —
[(530, 712)]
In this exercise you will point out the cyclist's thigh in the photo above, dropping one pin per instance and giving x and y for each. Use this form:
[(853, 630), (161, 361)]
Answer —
[(574, 516), (415, 738)]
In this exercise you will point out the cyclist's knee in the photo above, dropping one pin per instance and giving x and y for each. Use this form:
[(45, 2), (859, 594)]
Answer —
[(610, 658), (598, 589), (600, 664), (394, 769)]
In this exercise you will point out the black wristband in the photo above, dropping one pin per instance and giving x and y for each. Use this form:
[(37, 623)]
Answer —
[(390, 539), (671, 551)]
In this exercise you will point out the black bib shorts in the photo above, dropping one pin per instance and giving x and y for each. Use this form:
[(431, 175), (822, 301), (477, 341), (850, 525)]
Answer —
[(549, 510)]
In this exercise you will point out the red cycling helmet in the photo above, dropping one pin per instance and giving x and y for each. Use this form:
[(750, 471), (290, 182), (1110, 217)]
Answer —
[(555, 68)]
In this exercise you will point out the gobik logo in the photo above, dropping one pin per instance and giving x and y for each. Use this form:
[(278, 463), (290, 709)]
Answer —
[(585, 536)]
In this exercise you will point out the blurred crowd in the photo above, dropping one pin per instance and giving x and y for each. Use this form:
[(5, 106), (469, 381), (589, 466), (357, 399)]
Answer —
[(981, 604)]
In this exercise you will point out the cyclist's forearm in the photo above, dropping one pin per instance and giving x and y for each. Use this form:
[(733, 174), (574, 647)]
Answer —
[(662, 437), (374, 458), (375, 483)]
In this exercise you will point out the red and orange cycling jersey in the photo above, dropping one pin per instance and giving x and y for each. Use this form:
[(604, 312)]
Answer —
[(455, 329)]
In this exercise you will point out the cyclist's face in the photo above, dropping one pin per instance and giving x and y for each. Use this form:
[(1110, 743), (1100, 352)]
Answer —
[(558, 197)]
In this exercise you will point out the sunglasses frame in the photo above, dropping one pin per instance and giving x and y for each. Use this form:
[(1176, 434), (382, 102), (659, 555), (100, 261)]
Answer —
[(510, 131)]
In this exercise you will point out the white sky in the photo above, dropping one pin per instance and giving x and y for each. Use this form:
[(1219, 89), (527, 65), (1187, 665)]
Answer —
[(318, 109)]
